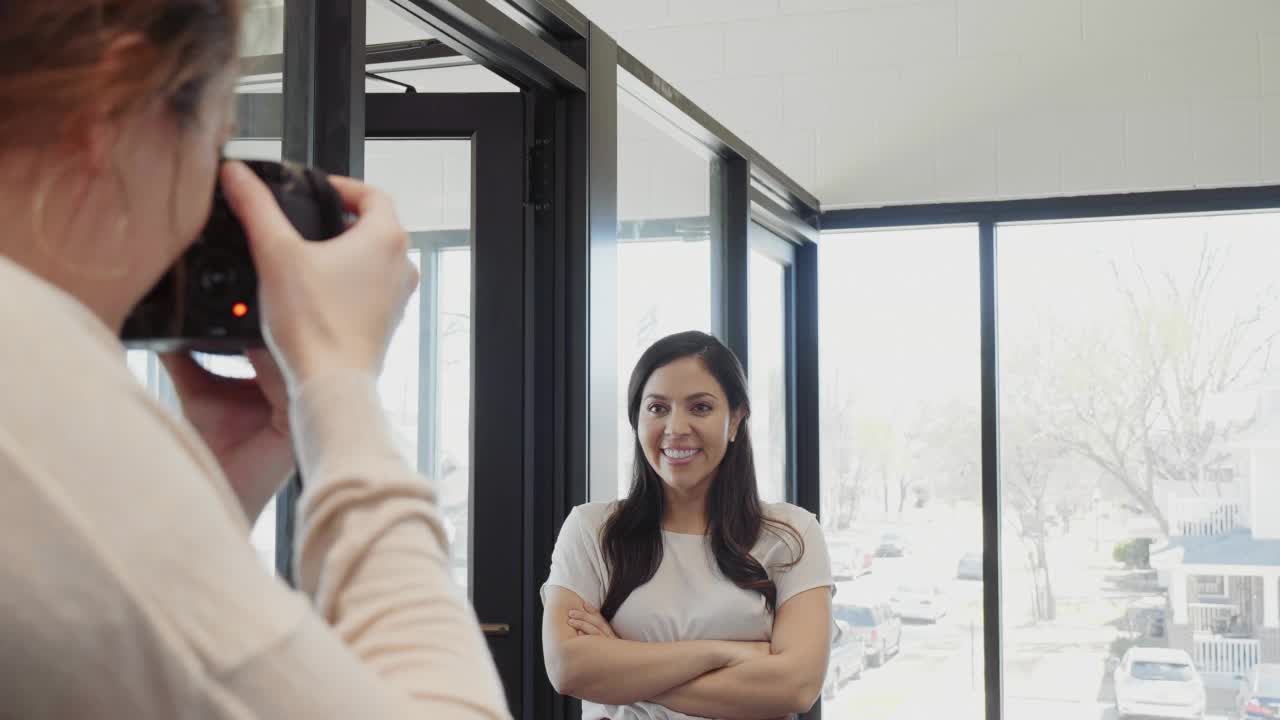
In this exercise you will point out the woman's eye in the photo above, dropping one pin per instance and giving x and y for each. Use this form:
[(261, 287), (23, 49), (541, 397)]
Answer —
[(702, 408), (657, 409)]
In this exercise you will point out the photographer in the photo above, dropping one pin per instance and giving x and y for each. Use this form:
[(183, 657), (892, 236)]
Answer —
[(128, 587)]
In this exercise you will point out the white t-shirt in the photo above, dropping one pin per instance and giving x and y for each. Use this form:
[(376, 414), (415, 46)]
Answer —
[(688, 598)]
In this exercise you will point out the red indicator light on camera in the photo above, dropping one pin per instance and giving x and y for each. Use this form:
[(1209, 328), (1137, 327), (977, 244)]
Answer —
[(239, 309)]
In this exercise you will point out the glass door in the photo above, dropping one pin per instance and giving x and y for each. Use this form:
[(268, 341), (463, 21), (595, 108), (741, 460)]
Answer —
[(454, 383)]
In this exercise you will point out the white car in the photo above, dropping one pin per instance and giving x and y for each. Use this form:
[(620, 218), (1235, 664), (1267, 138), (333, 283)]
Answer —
[(919, 601), (1158, 683), (848, 660), (848, 559)]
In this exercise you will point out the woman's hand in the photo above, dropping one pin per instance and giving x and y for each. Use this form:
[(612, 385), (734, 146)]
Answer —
[(244, 422), (589, 621), (325, 306), (740, 652)]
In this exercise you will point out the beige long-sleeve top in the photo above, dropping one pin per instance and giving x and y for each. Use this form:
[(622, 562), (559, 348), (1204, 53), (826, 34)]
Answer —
[(128, 587)]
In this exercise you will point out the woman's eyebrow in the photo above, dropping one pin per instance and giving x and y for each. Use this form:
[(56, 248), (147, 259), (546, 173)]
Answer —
[(695, 396)]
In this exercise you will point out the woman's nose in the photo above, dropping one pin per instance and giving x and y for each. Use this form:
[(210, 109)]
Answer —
[(677, 423)]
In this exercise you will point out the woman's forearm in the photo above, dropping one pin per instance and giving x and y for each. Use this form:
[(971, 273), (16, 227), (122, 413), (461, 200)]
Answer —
[(371, 554), (763, 688), (611, 671)]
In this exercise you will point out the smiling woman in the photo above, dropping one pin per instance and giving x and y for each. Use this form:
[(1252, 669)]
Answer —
[(690, 598)]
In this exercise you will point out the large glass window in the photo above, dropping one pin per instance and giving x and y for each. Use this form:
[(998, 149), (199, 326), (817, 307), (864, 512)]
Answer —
[(663, 257), (768, 283), (1139, 403), (901, 471)]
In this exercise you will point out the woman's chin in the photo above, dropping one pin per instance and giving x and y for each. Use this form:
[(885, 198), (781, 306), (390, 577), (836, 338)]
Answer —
[(683, 477)]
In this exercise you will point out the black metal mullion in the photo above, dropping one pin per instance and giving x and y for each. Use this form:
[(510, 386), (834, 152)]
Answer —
[(602, 222), (789, 365), (480, 30), (324, 84), (547, 415), (323, 126), (1058, 208), (585, 162), (807, 427), (576, 160), (780, 220), (499, 470), (730, 250), (558, 18), (993, 666)]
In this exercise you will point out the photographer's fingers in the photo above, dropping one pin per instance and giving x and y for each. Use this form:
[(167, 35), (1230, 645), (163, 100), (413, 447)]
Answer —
[(326, 305), (264, 222), (189, 377), (359, 197), (375, 210), (271, 382)]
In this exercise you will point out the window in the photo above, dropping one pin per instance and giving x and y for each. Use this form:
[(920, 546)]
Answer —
[(425, 384), (900, 465), (769, 288), (1134, 354), (1210, 585), (1144, 670), (663, 261)]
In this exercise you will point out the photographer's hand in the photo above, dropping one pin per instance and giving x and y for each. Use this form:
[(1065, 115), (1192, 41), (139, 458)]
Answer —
[(331, 306), (244, 422)]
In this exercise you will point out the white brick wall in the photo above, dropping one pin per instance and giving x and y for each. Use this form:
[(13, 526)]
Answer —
[(872, 102)]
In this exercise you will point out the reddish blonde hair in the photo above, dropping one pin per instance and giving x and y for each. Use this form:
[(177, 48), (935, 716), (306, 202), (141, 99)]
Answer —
[(52, 73)]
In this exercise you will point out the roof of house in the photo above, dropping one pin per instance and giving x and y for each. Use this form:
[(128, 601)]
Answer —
[(1237, 547)]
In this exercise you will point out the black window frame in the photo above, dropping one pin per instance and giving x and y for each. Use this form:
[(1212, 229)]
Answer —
[(988, 216)]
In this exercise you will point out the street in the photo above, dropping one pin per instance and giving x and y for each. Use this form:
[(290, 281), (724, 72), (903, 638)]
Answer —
[(1052, 670)]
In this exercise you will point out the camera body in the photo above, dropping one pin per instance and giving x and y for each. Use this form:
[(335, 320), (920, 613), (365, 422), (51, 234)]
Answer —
[(208, 301)]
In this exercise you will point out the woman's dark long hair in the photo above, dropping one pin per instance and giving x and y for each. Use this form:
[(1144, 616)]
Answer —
[(631, 539)]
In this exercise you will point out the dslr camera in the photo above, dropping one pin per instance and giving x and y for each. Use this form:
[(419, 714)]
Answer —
[(208, 301)]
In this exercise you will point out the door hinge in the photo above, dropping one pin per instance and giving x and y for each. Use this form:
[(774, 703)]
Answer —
[(542, 175)]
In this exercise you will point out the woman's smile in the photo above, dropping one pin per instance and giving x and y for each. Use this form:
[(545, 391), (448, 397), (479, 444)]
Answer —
[(679, 455)]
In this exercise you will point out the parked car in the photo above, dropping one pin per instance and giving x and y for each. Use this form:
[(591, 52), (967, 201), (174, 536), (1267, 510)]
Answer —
[(891, 545), (1259, 695), (919, 601), (849, 559), (848, 660), (970, 567), (877, 626), (1158, 683)]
